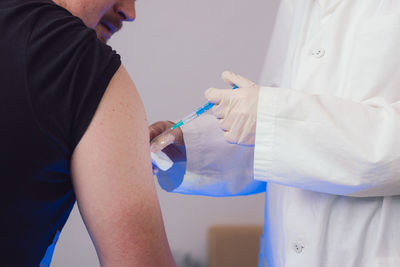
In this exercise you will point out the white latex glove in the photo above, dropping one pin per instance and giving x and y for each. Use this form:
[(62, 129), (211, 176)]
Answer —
[(166, 145), (236, 109)]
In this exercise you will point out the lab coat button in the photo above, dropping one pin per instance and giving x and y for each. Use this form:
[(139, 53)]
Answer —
[(298, 247), (318, 53)]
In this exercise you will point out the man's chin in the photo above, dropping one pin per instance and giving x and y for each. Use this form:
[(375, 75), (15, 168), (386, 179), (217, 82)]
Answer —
[(102, 38)]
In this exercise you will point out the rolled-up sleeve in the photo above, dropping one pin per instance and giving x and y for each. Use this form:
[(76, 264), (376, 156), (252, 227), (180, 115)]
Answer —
[(214, 167)]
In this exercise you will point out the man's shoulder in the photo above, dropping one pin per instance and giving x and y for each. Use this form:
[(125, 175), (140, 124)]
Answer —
[(30, 17), (23, 10)]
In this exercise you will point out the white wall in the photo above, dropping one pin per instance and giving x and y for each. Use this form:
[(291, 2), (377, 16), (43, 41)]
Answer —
[(174, 51)]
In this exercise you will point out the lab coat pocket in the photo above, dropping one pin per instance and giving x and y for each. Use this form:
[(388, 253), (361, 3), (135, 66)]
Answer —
[(374, 64)]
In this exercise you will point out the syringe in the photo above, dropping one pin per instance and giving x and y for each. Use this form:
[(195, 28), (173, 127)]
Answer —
[(195, 114), (159, 158)]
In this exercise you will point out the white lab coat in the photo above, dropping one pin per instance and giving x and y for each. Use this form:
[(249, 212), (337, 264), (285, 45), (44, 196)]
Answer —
[(327, 140)]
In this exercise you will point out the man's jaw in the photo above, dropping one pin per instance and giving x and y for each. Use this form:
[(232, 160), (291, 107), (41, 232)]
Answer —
[(107, 27), (103, 33)]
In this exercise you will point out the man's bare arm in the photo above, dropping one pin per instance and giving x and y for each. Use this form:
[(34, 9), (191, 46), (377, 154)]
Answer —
[(113, 182)]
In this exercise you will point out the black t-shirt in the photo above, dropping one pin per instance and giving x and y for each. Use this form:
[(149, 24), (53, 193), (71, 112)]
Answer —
[(53, 73)]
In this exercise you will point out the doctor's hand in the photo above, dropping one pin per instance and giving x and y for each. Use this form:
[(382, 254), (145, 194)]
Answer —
[(171, 142), (236, 109)]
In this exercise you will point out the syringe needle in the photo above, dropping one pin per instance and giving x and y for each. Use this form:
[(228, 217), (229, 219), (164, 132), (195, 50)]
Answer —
[(195, 114)]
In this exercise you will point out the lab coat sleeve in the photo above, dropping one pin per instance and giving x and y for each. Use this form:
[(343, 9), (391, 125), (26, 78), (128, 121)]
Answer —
[(213, 167), (328, 144)]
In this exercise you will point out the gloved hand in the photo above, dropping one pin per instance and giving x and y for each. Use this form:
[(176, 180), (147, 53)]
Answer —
[(236, 109), (169, 141)]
